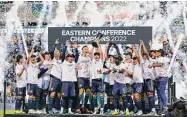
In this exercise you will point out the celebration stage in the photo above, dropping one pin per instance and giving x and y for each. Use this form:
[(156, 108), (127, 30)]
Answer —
[(85, 115)]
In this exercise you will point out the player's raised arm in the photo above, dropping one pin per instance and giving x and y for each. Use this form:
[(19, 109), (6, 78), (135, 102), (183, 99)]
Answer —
[(41, 59), (100, 50), (137, 54), (75, 47), (105, 51)]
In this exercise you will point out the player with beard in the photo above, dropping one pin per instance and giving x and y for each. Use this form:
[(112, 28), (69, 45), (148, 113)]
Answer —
[(20, 84), (84, 62), (119, 87), (32, 82), (149, 80), (68, 78), (137, 81)]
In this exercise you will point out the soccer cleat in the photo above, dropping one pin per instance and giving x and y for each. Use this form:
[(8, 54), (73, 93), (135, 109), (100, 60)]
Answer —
[(131, 113), (51, 112), (115, 113), (139, 113), (43, 111), (21, 112), (101, 111), (38, 112), (31, 111), (153, 113), (111, 111), (17, 112), (127, 113), (95, 111), (107, 112), (70, 112), (121, 112)]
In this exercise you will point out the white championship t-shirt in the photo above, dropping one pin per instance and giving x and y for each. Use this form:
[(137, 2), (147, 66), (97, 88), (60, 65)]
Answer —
[(128, 66), (46, 75), (56, 70), (96, 66), (21, 81), (84, 63), (68, 71), (120, 77), (111, 75), (137, 74), (45, 65), (32, 73), (161, 71), (148, 73)]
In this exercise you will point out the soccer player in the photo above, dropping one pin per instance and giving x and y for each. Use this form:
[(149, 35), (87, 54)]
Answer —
[(128, 67), (149, 80), (32, 82), (84, 62), (55, 84), (20, 83), (161, 80), (97, 82), (119, 87), (109, 80), (68, 78), (43, 82), (137, 81)]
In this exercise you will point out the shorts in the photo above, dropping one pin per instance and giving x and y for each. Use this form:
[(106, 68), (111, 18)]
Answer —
[(32, 89), (45, 84), (84, 82), (137, 87), (129, 89), (108, 89), (97, 85), (119, 89), (21, 91), (149, 85), (68, 89), (55, 85)]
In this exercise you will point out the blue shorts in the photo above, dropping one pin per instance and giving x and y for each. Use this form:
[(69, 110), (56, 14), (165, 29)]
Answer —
[(21, 92), (68, 89), (45, 84), (149, 85), (137, 87), (84, 82), (108, 89), (55, 85), (32, 89), (129, 89), (97, 85), (119, 89)]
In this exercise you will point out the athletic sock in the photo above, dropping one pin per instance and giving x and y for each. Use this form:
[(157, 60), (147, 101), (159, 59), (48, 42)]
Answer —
[(18, 104), (51, 103), (57, 103)]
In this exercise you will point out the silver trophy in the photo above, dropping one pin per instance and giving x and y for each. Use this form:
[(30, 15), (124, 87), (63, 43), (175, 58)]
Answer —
[(98, 37)]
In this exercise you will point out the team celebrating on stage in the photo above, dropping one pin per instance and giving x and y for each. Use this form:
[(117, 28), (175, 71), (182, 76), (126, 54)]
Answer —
[(94, 81)]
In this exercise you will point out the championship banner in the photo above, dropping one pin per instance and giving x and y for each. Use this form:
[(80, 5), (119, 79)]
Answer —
[(118, 35)]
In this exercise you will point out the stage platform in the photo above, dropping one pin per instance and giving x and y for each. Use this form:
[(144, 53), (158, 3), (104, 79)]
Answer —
[(83, 115)]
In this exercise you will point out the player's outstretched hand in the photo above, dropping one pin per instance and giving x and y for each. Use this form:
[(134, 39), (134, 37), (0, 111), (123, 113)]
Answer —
[(57, 41)]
